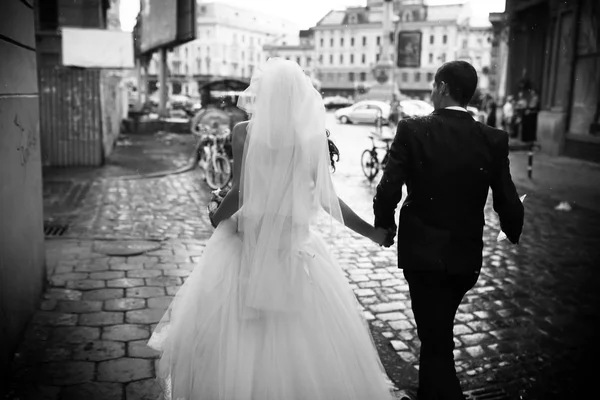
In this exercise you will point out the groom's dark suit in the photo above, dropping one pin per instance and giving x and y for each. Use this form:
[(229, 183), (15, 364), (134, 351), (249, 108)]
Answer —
[(448, 162)]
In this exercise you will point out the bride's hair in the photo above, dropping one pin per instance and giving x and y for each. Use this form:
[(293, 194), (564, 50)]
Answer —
[(334, 153)]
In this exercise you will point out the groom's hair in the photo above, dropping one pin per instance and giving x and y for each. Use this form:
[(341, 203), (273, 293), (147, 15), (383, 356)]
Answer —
[(461, 78)]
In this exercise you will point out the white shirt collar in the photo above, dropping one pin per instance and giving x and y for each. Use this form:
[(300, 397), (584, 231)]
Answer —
[(457, 108)]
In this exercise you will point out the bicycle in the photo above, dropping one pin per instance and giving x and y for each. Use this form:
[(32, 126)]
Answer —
[(370, 163), (213, 157)]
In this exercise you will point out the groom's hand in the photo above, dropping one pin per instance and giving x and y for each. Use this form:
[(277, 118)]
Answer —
[(389, 240)]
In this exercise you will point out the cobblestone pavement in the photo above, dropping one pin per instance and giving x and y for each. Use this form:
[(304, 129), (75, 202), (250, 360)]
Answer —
[(527, 327)]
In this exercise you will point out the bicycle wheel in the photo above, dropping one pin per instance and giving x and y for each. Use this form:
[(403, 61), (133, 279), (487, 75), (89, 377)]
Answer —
[(369, 164), (218, 174)]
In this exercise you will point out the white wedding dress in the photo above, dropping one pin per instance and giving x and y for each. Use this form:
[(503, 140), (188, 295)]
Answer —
[(267, 313)]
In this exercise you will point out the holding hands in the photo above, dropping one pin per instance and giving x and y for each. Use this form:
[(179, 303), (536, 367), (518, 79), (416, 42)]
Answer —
[(383, 237)]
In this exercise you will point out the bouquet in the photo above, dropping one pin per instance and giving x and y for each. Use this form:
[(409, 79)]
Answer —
[(216, 198), (502, 235)]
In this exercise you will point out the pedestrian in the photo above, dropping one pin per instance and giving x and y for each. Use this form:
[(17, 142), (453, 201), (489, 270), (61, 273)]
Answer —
[(520, 108), (448, 162), (491, 117), (508, 116), (530, 114), (267, 314)]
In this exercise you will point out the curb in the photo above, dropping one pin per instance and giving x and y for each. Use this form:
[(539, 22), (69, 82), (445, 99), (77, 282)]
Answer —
[(160, 174)]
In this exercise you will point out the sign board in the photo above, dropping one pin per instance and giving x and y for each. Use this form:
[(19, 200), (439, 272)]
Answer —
[(166, 23), (409, 49), (97, 48)]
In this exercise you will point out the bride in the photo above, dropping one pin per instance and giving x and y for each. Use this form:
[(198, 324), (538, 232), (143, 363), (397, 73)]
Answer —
[(267, 314)]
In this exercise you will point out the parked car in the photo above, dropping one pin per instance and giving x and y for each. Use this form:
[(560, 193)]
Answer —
[(366, 111), (336, 102)]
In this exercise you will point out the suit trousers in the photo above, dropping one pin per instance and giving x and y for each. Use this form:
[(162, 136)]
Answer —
[(435, 297)]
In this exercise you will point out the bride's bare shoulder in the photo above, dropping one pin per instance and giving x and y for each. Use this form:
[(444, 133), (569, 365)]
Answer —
[(239, 133), (240, 130)]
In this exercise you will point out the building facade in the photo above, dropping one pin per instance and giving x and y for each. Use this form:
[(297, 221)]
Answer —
[(348, 45), (22, 262), (554, 47), (300, 49), (229, 44), (448, 32)]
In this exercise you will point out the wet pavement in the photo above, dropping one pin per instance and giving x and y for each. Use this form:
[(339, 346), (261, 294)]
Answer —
[(528, 327)]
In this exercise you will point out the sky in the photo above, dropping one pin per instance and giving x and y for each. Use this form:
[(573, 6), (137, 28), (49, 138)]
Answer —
[(306, 13)]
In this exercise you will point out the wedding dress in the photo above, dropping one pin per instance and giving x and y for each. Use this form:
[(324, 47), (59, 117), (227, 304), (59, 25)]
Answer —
[(267, 313)]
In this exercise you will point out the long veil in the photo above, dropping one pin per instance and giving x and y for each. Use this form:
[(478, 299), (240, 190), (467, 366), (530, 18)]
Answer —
[(285, 182)]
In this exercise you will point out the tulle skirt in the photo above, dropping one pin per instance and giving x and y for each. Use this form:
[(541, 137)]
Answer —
[(211, 349)]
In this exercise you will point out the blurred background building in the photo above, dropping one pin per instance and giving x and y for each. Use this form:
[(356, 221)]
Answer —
[(80, 108), (229, 44), (554, 54)]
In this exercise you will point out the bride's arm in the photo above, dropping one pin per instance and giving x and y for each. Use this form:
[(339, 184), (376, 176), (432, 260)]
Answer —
[(363, 228), (354, 222), (231, 202)]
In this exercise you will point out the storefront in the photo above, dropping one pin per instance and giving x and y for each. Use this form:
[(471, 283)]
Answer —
[(554, 47)]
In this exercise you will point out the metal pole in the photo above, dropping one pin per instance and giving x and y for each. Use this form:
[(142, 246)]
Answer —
[(162, 79), (530, 162)]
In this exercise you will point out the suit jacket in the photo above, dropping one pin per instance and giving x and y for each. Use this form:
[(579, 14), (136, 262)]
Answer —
[(448, 162)]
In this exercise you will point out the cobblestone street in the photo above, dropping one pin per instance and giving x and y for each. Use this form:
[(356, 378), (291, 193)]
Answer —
[(527, 328)]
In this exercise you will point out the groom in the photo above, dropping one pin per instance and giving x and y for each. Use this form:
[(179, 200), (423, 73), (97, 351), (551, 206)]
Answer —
[(448, 162)]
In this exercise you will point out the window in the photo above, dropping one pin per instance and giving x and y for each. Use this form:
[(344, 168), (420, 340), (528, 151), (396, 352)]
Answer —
[(443, 58), (377, 57), (429, 76), (430, 58), (445, 39), (417, 77), (405, 77), (341, 42), (363, 76), (243, 39), (331, 42), (364, 59), (322, 41), (308, 61), (351, 76), (341, 58), (364, 40), (199, 65), (243, 55), (431, 39), (243, 72), (331, 59), (298, 60), (378, 40), (465, 43), (351, 58), (351, 41), (176, 87), (320, 58)]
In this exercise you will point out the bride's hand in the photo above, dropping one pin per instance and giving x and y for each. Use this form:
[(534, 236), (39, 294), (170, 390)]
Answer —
[(382, 237)]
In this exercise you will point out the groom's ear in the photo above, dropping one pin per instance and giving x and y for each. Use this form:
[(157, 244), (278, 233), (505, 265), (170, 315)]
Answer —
[(444, 89)]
